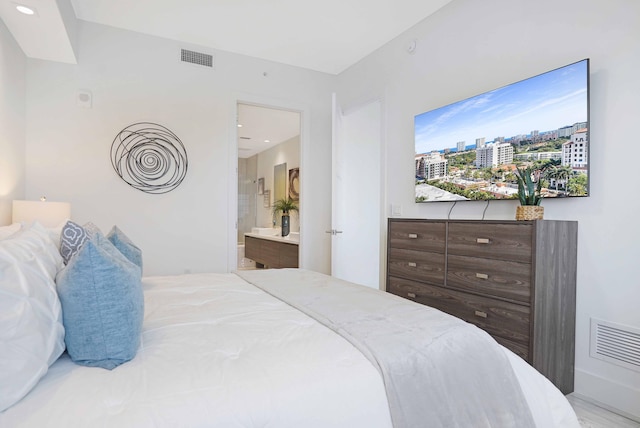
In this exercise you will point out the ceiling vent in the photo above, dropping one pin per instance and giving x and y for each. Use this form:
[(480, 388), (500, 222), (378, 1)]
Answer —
[(197, 58), (615, 343)]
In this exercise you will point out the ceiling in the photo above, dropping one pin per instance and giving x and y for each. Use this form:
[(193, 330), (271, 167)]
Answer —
[(46, 33), (326, 36), (260, 128)]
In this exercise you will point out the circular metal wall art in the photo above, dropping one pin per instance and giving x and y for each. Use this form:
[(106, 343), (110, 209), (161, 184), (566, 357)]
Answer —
[(149, 157)]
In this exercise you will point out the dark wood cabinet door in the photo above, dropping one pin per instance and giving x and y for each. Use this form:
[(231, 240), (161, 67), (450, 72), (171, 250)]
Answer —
[(288, 256), (273, 254)]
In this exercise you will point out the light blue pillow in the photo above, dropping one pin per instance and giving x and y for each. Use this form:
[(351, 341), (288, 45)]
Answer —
[(102, 305), (126, 247)]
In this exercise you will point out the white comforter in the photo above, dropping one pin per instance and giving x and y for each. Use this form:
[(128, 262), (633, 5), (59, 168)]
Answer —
[(218, 352)]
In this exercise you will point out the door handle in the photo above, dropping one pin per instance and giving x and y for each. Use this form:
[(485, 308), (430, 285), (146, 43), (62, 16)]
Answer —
[(333, 231)]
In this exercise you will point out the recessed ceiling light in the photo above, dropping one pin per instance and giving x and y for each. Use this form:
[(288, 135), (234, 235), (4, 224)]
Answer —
[(239, 125), (25, 9), (267, 141)]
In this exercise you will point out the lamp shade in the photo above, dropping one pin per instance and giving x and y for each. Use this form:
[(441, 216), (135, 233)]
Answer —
[(49, 214)]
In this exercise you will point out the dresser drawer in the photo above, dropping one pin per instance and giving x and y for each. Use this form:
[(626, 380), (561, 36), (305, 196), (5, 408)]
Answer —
[(503, 241), (506, 320), (417, 265), (506, 279), (424, 236), (408, 289)]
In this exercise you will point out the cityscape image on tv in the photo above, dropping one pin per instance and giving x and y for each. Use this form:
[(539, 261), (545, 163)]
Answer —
[(469, 150)]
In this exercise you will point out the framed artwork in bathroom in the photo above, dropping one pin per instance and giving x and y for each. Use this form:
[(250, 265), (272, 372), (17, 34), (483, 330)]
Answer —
[(294, 184), (261, 186)]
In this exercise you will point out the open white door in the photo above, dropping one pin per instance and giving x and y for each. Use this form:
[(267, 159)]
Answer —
[(356, 190)]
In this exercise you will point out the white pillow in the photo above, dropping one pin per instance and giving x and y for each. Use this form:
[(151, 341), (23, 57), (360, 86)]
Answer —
[(31, 330), (7, 231)]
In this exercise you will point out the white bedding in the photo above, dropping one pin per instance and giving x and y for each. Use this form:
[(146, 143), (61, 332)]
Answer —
[(218, 352), (436, 367)]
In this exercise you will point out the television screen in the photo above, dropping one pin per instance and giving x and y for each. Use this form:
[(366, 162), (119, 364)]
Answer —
[(470, 150)]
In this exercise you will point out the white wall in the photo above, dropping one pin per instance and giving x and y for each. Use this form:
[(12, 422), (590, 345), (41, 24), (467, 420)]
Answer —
[(470, 47), (286, 152), (134, 78), (12, 122)]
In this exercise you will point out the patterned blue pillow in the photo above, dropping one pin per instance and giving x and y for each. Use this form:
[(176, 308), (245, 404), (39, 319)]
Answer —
[(126, 247), (102, 305), (72, 237)]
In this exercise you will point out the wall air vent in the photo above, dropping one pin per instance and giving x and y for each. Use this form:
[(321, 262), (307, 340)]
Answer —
[(615, 343), (197, 58)]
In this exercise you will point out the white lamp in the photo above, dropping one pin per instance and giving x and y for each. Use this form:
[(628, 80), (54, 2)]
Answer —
[(49, 214)]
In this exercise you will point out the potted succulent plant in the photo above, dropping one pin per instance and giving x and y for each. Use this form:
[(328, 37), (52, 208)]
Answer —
[(529, 187), (285, 205)]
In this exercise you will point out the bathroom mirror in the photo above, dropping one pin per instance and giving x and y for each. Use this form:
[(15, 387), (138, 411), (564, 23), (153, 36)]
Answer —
[(280, 181)]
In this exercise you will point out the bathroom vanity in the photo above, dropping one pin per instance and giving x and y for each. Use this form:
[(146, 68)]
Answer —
[(272, 250)]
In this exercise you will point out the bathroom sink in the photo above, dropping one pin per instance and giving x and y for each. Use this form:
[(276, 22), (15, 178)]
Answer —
[(266, 230), (276, 232)]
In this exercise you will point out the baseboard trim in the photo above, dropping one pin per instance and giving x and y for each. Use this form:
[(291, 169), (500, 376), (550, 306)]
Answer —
[(613, 396)]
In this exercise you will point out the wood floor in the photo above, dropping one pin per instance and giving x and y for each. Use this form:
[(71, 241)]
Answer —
[(592, 416)]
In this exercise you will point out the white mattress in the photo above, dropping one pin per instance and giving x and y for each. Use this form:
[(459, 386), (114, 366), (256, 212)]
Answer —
[(218, 352)]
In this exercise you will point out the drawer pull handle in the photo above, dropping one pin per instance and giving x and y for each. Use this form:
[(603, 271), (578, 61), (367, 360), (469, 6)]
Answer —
[(413, 236), (412, 264), (481, 314), (482, 240), (412, 295), (482, 276)]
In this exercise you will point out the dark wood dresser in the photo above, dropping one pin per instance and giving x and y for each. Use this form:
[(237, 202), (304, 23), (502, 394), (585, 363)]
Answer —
[(514, 279)]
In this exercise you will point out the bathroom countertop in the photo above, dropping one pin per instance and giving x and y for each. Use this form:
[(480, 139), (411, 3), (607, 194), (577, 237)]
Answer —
[(292, 238)]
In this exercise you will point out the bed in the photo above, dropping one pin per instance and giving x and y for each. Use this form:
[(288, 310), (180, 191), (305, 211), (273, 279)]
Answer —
[(293, 348)]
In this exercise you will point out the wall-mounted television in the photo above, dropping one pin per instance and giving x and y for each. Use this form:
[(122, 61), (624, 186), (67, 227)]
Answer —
[(469, 150)]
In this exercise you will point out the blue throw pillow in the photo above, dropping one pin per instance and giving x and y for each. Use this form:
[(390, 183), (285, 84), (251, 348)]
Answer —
[(126, 247), (102, 305)]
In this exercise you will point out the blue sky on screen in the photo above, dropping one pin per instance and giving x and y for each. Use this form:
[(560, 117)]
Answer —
[(545, 102)]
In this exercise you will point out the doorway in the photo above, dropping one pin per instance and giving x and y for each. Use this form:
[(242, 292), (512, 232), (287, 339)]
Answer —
[(268, 140)]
